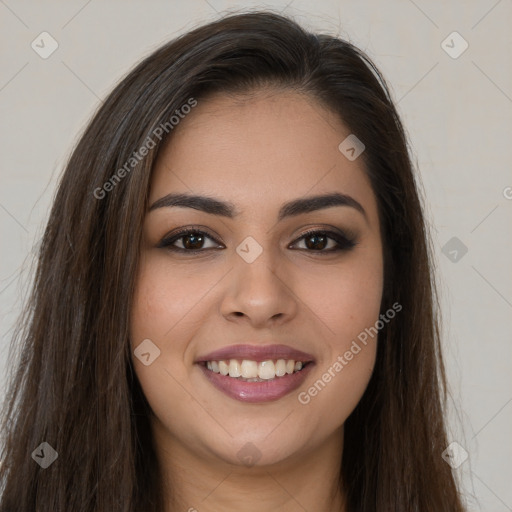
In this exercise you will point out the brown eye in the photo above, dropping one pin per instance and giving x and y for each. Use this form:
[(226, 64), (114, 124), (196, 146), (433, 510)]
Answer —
[(191, 240), (318, 241)]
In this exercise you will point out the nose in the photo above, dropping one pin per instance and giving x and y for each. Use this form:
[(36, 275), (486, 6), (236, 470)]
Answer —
[(260, 292)]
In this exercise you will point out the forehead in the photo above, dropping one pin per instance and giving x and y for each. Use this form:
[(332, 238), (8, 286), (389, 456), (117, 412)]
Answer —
[(260, 148)]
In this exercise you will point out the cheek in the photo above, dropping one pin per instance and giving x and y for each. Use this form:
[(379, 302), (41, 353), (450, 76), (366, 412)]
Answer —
[(165, 301), (342, 375), (169, 308), (159, 314), (164, 305), (339, 386), (345, 297), (350, 311)]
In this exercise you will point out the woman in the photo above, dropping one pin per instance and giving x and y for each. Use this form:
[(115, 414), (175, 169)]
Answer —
[(233, 307)]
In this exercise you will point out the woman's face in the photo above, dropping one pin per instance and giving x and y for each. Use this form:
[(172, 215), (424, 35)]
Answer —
[(254, 295)]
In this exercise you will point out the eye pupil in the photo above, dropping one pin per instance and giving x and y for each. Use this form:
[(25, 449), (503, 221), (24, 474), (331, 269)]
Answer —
[(314, 245), (197, 240)]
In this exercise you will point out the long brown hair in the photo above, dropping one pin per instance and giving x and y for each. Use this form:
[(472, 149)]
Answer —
[(74, 386)]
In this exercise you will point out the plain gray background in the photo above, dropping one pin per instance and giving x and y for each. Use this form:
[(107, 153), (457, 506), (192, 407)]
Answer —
[(456, 107)]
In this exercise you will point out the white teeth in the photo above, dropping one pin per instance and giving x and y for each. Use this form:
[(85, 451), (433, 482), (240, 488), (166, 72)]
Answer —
[(280, 367), (266, 370), (249, 369), (234, 368), (223, 368), (252, 371)]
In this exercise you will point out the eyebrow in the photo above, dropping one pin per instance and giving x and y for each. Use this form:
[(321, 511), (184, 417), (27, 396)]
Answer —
[(226, 209)]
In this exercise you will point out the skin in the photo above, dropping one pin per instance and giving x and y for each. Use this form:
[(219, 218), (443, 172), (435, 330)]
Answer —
[(257, 152)]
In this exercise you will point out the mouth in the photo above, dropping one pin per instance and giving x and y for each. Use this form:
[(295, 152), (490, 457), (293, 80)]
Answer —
[(247, 370), (256, 374)]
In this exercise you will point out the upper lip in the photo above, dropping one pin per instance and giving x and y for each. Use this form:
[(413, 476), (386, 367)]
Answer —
[(256, 353)]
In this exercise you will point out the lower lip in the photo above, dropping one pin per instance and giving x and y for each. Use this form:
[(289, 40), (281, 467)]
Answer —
[(255, 392)]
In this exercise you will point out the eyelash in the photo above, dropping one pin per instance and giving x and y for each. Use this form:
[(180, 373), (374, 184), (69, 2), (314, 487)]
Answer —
[(344, 242)]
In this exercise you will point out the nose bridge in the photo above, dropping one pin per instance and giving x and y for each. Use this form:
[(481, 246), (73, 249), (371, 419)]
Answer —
[(257, 262), (250, 250), (258, 291)]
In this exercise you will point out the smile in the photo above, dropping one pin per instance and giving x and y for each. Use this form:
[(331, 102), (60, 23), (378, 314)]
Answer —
[(256, 373), (253, 371)]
